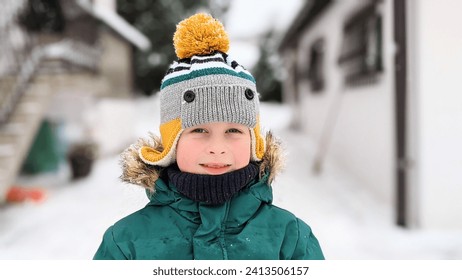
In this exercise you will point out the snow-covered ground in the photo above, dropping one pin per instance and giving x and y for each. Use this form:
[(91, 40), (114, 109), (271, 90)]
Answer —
[(349, 222)]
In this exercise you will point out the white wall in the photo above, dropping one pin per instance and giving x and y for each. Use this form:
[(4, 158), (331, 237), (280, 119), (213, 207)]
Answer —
[(363, 135), (436, 88)]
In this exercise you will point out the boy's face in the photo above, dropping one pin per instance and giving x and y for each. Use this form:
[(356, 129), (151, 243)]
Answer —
[(213, 148)]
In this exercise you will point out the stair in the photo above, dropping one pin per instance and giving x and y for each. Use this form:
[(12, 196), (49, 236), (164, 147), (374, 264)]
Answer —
[(17, 134)]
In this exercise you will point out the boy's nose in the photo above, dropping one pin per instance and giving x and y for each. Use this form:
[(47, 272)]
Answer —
[(216, 147), (217, 151)]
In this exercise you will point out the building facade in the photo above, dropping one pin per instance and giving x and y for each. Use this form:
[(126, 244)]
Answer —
[(57, 57), (375, 84)]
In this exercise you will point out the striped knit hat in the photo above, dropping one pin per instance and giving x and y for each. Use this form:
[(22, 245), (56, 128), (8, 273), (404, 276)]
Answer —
[(204, 85)]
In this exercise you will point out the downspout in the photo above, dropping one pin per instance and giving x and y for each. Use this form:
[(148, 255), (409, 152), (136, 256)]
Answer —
[(401, 164)]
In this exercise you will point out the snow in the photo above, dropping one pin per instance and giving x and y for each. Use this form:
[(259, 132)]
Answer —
[(350, 222)]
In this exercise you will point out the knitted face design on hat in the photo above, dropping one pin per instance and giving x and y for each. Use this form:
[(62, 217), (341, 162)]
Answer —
[(204, 86)]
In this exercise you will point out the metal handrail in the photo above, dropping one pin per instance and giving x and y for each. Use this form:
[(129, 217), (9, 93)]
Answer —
[(22, 80), (12, 59)]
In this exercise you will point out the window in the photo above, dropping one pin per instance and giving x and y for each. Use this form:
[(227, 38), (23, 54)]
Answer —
[(316, 66), (361, 55)]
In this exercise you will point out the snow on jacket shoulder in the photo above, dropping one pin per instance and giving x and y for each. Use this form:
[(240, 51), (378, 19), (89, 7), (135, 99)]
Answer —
[(173, 227)]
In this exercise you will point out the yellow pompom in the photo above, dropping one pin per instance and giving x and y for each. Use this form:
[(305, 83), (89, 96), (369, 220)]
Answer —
[(199, 34)]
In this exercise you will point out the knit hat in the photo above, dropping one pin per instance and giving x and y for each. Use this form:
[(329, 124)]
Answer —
[(205, 85)]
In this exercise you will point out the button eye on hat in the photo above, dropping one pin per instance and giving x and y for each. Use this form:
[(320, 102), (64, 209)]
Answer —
[(249, 94), (189, 96)]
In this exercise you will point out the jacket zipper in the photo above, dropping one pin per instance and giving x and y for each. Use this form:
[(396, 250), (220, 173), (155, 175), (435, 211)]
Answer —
[(222, 231)]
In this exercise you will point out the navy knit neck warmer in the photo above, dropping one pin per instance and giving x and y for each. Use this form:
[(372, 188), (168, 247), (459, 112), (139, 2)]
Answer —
[(211, 189)]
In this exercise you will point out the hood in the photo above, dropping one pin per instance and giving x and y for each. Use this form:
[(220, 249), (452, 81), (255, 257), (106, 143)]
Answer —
[(135, 171)]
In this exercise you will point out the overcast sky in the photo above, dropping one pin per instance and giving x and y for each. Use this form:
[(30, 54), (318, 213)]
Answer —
[(247, 19)]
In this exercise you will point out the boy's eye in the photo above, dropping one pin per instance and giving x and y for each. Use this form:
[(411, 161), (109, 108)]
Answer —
[(198, 130), (234, 130)]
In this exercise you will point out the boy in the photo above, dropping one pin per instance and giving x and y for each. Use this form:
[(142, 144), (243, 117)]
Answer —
[(209, 176)]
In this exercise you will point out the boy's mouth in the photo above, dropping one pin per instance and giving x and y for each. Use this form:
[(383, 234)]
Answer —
[(215, 165), (215, 168)]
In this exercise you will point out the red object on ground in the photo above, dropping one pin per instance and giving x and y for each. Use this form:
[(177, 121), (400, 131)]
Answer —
[(22, 194)]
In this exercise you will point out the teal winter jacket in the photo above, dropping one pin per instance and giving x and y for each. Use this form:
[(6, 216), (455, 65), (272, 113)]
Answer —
[(173, 227)]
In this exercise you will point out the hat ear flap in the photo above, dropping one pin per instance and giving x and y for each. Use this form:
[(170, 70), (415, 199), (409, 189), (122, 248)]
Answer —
[(259, 145), (170, 133), (149, 155)]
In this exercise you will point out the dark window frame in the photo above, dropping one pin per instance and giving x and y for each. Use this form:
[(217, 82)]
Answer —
[(315, 73), (361, 56)]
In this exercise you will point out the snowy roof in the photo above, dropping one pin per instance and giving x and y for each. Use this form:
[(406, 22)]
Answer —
[(117, 23)]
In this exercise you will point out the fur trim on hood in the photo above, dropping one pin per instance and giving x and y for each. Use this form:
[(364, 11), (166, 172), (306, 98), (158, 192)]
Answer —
[(135, 171)]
